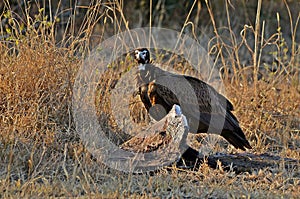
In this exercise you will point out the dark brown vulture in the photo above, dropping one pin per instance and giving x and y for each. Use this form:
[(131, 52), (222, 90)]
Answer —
[(206, 110)]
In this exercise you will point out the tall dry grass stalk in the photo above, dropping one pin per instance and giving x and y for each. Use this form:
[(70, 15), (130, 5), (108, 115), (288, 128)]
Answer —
[(257, 54)]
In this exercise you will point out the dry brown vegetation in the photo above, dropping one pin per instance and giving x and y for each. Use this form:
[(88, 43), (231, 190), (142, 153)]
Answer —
[(41, 51)]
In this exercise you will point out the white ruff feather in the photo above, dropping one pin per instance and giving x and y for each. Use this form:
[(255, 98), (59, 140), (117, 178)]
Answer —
[(142, 67)]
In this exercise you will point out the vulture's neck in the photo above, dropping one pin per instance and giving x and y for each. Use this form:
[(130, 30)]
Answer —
[(147, 73)]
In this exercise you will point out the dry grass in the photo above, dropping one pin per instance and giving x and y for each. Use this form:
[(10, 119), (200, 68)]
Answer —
[(41, 154)]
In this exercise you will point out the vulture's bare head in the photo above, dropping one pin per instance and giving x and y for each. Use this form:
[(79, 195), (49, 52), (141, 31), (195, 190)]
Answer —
[(142, 56)]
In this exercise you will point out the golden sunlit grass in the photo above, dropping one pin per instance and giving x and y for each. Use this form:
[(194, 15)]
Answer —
[(41, 154)]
